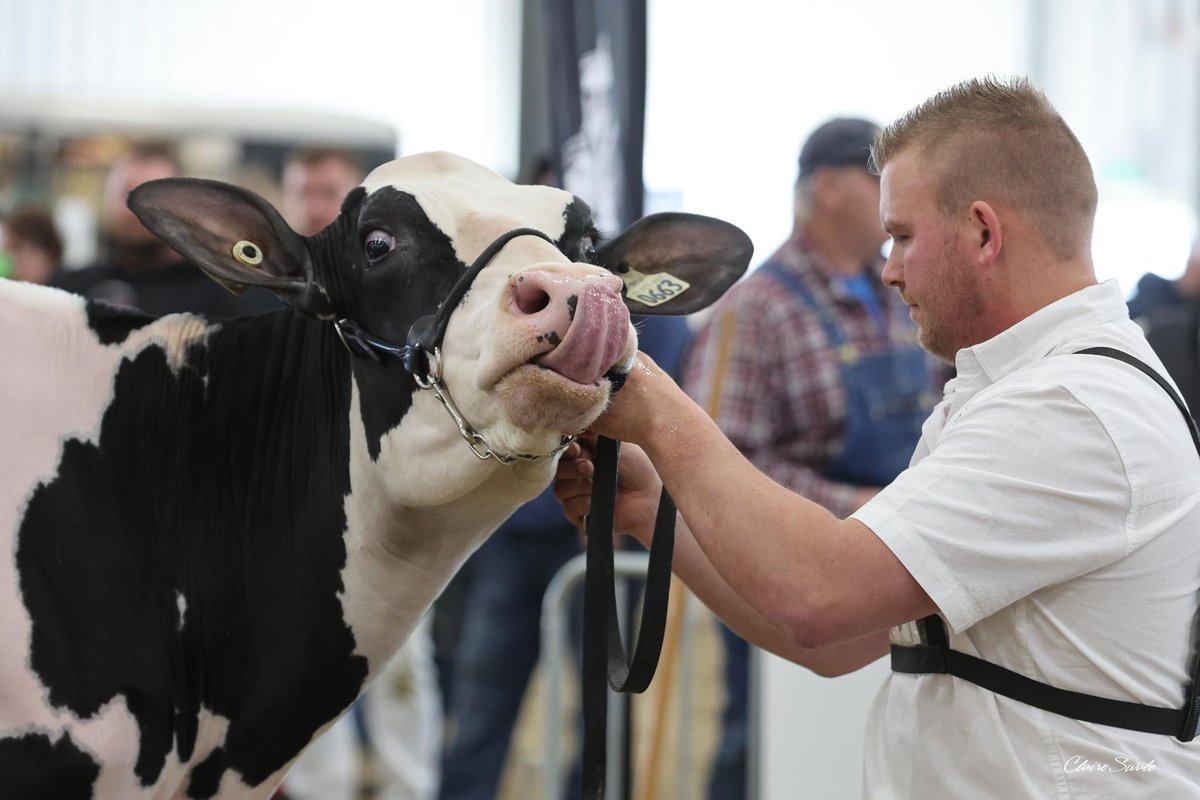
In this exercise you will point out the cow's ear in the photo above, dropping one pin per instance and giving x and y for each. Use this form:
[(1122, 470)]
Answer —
[(235, 236), (676, 263)]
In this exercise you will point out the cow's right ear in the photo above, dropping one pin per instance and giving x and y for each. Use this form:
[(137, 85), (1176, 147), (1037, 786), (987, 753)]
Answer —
[(235, 236)]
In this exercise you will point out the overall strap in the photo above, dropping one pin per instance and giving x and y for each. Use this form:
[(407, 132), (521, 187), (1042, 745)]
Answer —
[(936, 656), (797, 287)]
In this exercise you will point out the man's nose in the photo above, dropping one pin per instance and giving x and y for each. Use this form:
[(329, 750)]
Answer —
[(893, 273)]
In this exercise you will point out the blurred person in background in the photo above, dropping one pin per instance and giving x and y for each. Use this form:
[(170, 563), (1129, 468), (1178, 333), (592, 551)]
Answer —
[(137, 269), (33, 245), (811, 367), (1155, 292), (399, 718), (1169, 313), (315, 182)]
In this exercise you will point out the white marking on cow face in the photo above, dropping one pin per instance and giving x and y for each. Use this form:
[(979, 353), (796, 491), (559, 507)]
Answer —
[(526, 352)]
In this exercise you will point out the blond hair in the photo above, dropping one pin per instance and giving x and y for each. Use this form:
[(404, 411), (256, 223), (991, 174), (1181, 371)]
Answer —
[(1003, 142)]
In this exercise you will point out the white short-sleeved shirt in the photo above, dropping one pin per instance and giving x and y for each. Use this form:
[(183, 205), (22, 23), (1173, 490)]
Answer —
[(1052, 513)]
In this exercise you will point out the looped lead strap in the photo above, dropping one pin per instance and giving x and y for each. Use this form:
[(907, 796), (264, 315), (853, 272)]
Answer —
[(604, 660)]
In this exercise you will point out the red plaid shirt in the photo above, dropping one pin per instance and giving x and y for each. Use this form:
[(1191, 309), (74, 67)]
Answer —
[(763, 367)]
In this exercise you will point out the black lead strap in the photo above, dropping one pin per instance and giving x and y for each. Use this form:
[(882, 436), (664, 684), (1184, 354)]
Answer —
[(936, 656), (604, 660)]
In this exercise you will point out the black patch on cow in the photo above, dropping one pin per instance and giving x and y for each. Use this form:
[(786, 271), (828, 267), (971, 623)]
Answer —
[(409, 282), (572, 304), (222, 483), (206, 776), (34, 768), (113, 324)]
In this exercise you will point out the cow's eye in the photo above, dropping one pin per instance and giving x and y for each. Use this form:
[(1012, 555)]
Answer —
[(379, 244), (589, 250)]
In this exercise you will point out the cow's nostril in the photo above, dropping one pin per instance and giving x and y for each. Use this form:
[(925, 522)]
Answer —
[(530, 297)]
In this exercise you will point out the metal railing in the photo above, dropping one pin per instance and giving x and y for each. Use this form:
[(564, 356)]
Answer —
[(556, 642)]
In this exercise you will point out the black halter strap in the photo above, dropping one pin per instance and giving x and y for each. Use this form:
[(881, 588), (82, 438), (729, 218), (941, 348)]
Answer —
[(936, 656), (603, 652)]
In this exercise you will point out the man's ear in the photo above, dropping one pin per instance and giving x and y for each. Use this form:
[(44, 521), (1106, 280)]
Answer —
[(676, 263), (987, 232), (235, 236)]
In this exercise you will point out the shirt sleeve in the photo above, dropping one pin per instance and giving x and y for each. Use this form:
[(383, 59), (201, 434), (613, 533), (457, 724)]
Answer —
[(765, 373), (1024, 489)]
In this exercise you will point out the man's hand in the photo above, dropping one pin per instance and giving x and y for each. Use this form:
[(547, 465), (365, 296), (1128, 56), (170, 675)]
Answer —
[(632, 411), (638, 487)]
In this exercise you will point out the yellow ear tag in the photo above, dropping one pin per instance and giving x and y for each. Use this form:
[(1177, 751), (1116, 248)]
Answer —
[(248, 253), (651, 288)]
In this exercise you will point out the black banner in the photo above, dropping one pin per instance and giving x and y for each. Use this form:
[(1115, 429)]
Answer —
[(596, 76)]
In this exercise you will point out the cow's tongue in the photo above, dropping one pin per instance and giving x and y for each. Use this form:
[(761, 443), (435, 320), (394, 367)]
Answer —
[(595, 339)]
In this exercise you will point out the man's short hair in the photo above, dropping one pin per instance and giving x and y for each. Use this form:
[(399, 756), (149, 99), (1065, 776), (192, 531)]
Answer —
[(1002, 141)]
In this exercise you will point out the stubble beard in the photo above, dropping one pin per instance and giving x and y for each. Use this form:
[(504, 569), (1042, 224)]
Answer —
[(957, 307)]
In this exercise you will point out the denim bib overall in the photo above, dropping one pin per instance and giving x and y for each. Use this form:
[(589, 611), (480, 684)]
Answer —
[(888, 397)]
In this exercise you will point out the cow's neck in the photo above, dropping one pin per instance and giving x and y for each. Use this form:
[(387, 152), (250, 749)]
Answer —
[(420, 503)]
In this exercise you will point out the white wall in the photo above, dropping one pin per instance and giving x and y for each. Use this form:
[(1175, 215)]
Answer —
[(736, 87), (443, 74), (1125, 74)]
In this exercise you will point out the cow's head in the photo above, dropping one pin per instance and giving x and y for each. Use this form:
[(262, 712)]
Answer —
[(531, 350)]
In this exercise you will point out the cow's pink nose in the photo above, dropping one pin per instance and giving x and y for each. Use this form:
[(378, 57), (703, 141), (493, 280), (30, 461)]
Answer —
[(530, 294), (536, 290), (581, 319)]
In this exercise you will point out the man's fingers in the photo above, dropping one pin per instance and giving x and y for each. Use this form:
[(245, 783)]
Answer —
[(571, 468)]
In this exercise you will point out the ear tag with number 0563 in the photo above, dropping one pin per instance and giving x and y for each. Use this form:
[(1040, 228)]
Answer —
[(653, 288)]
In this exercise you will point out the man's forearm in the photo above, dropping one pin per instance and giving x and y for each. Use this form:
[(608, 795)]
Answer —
[(697, 572), (763, 540)]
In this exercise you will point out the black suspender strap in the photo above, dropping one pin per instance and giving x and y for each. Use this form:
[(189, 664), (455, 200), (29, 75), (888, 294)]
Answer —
[(1120, 355), (1086, 707), (935, 656)]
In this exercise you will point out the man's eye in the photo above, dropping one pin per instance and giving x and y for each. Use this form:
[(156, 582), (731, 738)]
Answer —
[(379, 244)]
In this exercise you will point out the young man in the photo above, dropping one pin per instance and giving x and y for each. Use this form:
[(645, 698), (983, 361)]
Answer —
[(1047, 525), (138, 270), (811, 367)]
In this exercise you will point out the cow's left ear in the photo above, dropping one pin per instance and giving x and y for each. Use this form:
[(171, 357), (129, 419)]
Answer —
[(235, 236), (676, 263)]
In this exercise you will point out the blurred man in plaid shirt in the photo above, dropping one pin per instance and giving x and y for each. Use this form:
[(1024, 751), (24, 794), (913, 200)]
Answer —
[(811, 367)]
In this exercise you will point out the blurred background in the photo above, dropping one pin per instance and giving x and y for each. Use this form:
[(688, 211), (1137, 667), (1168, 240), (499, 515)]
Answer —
[(731, 90)]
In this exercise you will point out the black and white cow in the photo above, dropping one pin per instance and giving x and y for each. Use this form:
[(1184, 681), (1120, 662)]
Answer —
[(215, 533)]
